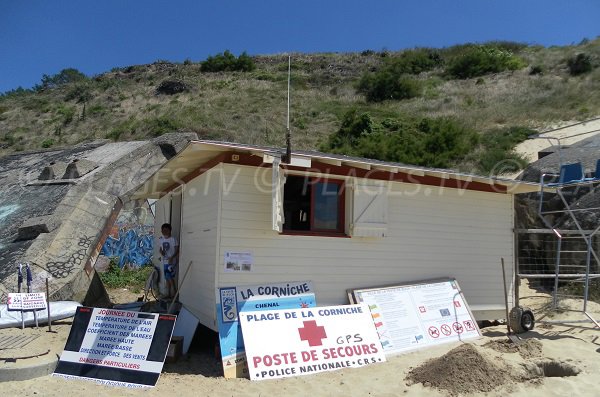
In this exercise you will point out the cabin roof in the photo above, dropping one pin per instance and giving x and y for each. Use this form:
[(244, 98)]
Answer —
[(205, 153)]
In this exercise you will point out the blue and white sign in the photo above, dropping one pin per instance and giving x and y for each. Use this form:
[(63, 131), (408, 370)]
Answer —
[(231, 301)]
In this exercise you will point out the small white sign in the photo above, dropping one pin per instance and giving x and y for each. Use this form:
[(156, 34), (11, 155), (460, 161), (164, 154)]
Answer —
[(282, 343), (26, 301), (238, 261)]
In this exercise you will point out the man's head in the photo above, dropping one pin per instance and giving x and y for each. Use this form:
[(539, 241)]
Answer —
[(166, 230)]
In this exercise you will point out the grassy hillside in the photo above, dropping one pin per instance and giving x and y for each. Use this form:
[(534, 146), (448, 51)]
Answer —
[(485, 89)]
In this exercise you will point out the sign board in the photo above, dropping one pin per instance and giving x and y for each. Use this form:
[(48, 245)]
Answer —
[(412, 316), (282, 343), (238, 261), (185, 327), (233, 300), (26, 301), (116, 347)]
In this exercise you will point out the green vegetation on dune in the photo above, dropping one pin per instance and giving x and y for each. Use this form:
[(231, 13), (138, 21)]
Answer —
[(441, 142), (464, 106)]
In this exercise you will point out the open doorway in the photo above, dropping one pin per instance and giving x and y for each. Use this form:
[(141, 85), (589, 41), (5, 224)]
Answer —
[(167, 210)]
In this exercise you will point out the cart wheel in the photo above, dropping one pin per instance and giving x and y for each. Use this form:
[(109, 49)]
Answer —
[(527, 320), (521, 319)]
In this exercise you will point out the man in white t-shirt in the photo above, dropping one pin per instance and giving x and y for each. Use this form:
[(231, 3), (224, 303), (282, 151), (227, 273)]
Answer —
[(169, 251)]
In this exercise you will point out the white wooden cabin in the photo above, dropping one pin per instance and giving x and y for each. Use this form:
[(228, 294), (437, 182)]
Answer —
[(385, 223)]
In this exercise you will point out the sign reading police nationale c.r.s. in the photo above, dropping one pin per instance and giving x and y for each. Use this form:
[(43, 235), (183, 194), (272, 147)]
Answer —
[(282, 343), (116, 347)]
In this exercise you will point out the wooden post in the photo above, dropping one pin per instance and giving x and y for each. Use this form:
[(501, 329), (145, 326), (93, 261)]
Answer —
[(48, 306), (179, 287), (505, 295)]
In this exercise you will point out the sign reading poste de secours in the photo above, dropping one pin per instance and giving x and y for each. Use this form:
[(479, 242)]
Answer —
[(282, 343), (116, 347), (233, 300)]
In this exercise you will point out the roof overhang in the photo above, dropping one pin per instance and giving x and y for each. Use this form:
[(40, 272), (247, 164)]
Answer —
[(199, 156)]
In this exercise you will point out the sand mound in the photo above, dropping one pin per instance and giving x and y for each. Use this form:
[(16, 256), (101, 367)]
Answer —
[(530, 348), (462, 370)]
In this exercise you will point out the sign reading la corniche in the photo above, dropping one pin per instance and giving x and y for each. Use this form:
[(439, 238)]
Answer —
[(416, 315), (282, 343), (116, 347), (233, 300)]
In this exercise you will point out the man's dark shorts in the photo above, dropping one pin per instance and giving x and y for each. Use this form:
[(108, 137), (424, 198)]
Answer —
[(169, 272)]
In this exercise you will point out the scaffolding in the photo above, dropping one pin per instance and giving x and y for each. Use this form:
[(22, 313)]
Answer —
[(574, 250)]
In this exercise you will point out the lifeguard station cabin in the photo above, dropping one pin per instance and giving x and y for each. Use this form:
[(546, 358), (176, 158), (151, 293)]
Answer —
[(338, 221)]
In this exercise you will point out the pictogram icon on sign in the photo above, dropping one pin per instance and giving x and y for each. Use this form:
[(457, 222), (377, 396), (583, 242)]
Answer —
[(446, 330), (469, 325), (433, 332), (312, 333), (458, 328), (456, 304)]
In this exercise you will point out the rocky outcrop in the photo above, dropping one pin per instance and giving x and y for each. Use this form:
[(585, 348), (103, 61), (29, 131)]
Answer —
[(171, 87)]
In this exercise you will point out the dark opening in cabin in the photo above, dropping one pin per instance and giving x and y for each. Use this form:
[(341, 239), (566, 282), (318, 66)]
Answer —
[(313, 205)]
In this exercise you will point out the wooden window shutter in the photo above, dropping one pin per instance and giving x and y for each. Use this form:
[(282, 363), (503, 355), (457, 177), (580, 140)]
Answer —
[(370, 209)]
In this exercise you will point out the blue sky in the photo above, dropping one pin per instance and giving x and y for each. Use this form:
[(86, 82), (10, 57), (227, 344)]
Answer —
[(43, 37)]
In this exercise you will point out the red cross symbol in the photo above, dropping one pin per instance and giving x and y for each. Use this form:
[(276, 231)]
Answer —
[(312, 333)]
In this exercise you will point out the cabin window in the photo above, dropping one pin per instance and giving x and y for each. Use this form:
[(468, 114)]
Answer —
[(313, 205)]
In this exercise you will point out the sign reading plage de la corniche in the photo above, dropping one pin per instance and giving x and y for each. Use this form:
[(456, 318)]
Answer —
[(116, 347), (282, 343), (233, 300)]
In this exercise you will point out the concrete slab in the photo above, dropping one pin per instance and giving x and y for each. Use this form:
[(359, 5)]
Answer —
[(37, 358)]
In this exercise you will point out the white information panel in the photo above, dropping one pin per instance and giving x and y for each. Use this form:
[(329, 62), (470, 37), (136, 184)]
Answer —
[(412, 316), (26, 301), (282, 343)]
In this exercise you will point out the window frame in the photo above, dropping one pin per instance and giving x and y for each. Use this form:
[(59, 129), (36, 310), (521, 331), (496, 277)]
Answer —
[(340, 231)]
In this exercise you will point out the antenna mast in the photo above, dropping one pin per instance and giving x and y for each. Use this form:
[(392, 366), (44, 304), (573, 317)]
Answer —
[(287, 158)]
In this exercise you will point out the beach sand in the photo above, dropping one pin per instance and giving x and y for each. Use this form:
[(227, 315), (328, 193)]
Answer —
[(490, 366)]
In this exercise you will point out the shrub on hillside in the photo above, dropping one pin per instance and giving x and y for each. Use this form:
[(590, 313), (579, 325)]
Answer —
[(227, 62), (479, 60), (579, 64), (497, 155), (392, 81), (65, 114), (436, 142), (46, 143), (65, 76), (161, 125), (387, 85), (80, 92), (17, 92), (432, 142)]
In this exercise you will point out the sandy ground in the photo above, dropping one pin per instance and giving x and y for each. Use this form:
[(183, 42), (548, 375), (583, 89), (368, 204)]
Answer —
[(492, 367)]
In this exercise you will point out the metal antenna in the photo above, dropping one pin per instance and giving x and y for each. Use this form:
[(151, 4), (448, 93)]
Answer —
[(287, 158)]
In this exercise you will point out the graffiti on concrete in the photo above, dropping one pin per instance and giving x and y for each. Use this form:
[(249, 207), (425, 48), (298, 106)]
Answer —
[(130, 243), (75, 261), (131, 247)]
